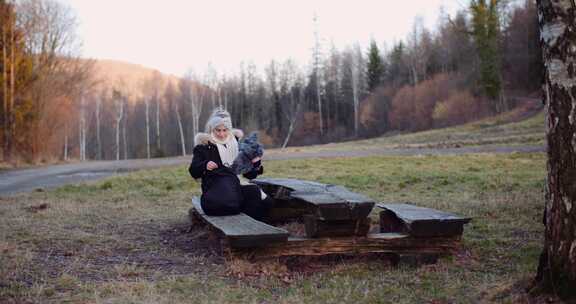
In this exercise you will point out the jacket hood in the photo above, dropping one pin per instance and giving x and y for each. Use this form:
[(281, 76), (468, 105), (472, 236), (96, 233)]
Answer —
[(203, 138)]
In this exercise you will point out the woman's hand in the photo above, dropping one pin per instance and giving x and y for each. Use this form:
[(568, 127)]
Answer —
[(257, 162), (211, 166)]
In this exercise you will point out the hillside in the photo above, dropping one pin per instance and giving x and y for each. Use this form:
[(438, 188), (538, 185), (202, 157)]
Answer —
[(523, 125), (127, 75)]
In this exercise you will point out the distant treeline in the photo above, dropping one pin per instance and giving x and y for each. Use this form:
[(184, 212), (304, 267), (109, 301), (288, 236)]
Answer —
[(474, 64)]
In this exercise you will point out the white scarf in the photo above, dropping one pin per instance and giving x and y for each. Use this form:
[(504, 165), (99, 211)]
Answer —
[(228, 149)]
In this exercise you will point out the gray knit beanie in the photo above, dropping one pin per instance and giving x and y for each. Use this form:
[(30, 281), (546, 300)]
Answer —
[(219, 117)]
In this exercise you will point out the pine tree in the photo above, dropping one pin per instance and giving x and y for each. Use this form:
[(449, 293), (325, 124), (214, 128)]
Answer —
[(486, 33), (375, 68)]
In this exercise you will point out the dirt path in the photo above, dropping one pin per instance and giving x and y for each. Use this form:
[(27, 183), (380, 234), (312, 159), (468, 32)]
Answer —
[(16, 181)]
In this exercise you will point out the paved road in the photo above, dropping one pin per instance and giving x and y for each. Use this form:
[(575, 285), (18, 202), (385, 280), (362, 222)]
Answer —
[(16, 181)]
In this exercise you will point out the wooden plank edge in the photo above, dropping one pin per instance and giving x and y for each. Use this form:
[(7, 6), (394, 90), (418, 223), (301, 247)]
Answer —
[(456, 218), (373, 243)]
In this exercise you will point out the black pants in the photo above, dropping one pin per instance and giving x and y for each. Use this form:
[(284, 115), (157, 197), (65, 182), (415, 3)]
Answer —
[(253, 204)]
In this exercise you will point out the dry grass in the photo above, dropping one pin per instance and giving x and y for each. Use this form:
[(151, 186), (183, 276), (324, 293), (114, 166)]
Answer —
[(127, 240)]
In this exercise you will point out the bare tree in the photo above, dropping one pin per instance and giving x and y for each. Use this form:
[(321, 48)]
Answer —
[(147, 119), (356, 65), (10, 41), (151, 88), (180, 128), (98, 131), (48, 34), (173, 99), (158, 103), (124, 123), (66, 147), (557, 268), (316, 70), (82, 128), (273, 95), (355, 88), (416, 56), (291, 84), (196, 94), (118, 99), (333, 89)]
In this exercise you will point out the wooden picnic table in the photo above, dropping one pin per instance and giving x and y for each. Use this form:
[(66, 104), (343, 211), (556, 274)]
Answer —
[(327, 210), (336, 222)]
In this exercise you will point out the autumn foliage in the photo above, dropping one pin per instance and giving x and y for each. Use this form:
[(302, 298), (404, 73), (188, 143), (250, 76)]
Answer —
[(437, 102)]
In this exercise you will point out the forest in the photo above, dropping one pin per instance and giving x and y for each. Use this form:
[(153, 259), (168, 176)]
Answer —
[(481, 61)]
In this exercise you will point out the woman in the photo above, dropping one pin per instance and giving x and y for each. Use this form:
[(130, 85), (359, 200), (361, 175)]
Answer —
[(213, 155)]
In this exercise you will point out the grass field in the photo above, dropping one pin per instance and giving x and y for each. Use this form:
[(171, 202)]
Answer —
[(126, 239)]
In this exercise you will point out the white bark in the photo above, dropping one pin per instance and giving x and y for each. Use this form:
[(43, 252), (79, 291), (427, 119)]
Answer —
[(98, 138), (125, 136), (158, 122), (318, 77), (196, 95), (119, 116), (82, 129), (180, 129), (193, 108), (291, 126), (66, 142), (293, 114), (354, 80), (147, 105)]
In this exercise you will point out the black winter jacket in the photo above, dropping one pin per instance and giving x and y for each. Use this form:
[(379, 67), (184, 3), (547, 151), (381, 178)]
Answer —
[(206, 151)]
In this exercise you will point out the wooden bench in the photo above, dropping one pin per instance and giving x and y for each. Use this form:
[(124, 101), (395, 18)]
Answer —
[(420, 221), (240, 230)]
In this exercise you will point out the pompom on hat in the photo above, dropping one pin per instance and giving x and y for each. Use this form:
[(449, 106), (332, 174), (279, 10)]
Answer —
[(219, 117)]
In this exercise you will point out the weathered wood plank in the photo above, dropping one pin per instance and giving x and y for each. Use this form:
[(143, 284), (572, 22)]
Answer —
[(241, 230), (420, 221), (320, 228), (372, 243), (329, 202)]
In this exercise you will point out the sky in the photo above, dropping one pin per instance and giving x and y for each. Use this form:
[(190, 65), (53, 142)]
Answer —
[(175, 36)]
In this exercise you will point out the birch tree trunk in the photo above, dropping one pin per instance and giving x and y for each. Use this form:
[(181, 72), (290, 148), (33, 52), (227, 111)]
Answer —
[(291, 127), (354, 78), (65, 152), (158, 144), (82, 129), (180, 129), (124, 133), (98, 136), (119, 116), (196, 103), (294, 115), (317, 74), (557, 268), (147, 105), (193, 112)]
